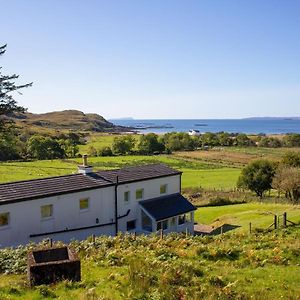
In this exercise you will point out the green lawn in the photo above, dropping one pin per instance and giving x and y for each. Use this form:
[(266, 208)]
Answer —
[(259, 214), (195, 173)]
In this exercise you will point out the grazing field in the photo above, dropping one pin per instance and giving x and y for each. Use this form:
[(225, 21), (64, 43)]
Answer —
[(236, 156), (217, 168), (261, 215), (99, 141), (230, 266), (195, 173)]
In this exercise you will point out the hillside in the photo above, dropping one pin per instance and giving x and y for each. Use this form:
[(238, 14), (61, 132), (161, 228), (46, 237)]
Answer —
[(229, 266), (67, 120)]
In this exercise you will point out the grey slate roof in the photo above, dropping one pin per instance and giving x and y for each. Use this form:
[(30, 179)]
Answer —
[(167, 206), (138, 173), (45, 187)]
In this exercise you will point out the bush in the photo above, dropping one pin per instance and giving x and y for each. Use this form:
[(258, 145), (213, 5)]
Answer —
[(105, 151)]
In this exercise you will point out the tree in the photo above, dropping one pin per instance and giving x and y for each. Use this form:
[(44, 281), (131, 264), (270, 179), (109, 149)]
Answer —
[(270, 142), (225, 139), (176, 141), (210, 139), (149, 144), (257, 177), (105, 151), (123, 145), (41, 147), (242, 140), (287, 180), (8, 106)]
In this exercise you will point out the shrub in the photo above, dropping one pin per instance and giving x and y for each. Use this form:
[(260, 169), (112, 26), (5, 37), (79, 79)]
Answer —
[(105, 151)]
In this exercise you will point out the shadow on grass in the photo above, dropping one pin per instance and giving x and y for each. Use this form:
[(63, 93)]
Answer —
[(208, 230)]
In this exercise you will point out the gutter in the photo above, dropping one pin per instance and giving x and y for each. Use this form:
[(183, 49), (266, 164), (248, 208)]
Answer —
[(79, 228)]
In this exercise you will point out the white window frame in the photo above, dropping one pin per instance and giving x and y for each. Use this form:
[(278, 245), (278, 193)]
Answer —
[(88, 204), (52, 212), (162, 222)]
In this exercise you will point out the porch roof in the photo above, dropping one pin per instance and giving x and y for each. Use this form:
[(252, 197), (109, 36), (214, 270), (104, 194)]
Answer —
[(167, 206)]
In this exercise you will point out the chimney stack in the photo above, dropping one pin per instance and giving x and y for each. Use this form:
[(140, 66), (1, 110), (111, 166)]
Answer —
[(85, 168)]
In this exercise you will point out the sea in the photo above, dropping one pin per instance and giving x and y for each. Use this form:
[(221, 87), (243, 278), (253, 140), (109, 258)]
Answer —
[(249, 126)]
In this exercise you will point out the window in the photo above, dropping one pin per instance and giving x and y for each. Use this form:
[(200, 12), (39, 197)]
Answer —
[(131, 225), (139, 194), (126, 196), (163, 189), (84, 203), (46, 211), (4, 219), (162, 225), (173, 222), (188, 217), (146, 222), (181, 219)]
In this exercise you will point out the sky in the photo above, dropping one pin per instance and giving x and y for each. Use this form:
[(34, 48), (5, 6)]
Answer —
[(155, 59)]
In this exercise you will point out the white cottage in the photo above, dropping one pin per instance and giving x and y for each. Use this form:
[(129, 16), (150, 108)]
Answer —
[(140, 199)]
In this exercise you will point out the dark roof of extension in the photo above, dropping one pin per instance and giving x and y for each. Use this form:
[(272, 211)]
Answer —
[(168, 206), (46, 187)]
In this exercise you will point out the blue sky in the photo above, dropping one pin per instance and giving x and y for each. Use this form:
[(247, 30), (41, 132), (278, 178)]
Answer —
[(154, 58)]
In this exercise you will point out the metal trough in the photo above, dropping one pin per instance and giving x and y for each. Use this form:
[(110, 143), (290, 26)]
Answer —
[(51, 265)]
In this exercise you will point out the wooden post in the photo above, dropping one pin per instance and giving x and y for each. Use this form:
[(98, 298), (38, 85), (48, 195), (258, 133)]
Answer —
[(284, 219), (134, 235), (51, 242), (161, 234), (250, 227), (186, 232), (275, 221), (222, 229), (93, 238)]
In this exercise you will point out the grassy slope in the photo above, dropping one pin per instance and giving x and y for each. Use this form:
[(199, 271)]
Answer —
[(232, 266), (259, 214)]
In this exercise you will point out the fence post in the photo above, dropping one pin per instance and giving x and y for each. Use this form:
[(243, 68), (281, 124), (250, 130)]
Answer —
[(51, 242), (93, 238), (161, 234), (275, 221), (284, 219), (134, 235), (222, 229), (186, 232), (250, 227)]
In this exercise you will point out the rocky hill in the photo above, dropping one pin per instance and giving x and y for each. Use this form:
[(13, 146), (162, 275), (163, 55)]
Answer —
[(67, 120)]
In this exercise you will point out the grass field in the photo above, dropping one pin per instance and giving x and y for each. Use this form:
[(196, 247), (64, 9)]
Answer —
[(217, 168), (261, 215), (195, 173), (234, 265), (99, 141)]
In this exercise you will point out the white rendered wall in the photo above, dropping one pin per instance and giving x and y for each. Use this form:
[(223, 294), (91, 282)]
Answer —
[(151, 190), (25, 217)]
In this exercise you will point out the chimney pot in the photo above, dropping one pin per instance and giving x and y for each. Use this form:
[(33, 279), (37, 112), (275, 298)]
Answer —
[(85, 160), (85, 168)]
